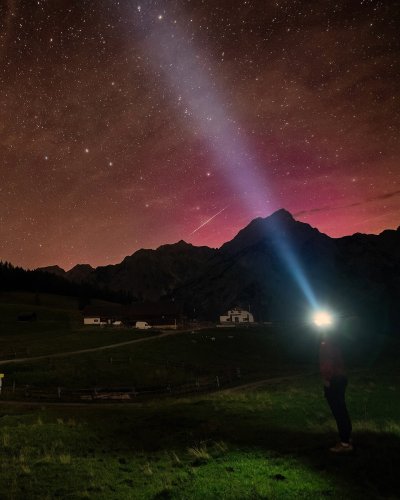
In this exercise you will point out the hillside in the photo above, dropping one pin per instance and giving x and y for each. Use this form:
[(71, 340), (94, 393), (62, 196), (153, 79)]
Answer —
[(248, 438), (267, 266), (58, 326), (357, 275)]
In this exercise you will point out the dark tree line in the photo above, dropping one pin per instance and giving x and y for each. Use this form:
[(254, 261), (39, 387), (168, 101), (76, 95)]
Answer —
[(18, 279)]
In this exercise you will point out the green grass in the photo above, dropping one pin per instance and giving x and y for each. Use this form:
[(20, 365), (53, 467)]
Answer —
[(174, 360), (59, 327), (267, 443), (179, 360)]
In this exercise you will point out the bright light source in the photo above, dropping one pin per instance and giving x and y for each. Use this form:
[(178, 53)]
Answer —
[(322, 319)]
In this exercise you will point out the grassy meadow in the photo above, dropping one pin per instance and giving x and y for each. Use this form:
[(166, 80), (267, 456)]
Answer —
[(270, 442), (187, 357), (264, 441), (59, 326)]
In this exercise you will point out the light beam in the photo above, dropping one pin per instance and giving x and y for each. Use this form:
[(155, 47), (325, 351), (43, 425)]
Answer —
[(188, 72)]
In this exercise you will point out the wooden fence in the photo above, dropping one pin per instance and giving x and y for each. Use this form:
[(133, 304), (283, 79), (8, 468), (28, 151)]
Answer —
[(127, 393)]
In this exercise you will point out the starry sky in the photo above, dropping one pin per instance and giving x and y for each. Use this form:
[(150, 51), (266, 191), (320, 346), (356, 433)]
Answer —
[(131, 124)]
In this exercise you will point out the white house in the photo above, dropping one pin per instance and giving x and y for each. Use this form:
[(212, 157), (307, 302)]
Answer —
[(237, 315), (90, 320)]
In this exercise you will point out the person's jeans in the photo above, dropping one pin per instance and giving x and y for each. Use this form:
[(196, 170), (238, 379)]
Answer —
[(335, 395)]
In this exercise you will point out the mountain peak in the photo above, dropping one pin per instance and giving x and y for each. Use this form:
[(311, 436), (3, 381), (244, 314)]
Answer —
[(179, 245), (280, 224), (52, 269), (183, 243), (281, 214), (82, 267), (80, 272)]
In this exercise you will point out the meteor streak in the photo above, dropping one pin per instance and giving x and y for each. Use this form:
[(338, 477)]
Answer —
[(209, 220)]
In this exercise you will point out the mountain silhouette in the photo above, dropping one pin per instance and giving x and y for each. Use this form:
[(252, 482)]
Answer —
[(359, 275)]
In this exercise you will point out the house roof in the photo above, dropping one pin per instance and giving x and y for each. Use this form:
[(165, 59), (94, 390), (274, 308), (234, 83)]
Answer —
[(237, 310)]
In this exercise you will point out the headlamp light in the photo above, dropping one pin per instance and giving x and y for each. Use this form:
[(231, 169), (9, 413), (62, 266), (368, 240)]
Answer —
[(322, 319)]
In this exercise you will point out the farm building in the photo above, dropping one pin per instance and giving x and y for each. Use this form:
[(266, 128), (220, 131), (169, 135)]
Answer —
[(102, 315), (237, 315), (157, 314)]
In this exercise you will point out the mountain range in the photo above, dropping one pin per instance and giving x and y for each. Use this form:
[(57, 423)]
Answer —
[(277, 266)]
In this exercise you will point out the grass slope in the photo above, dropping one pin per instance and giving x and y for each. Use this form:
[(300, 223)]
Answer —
[(59, 327), (176, 360), (183, 359), (267, 443)]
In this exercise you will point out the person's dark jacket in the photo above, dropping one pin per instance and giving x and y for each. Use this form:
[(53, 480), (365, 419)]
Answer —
[(330, 360)]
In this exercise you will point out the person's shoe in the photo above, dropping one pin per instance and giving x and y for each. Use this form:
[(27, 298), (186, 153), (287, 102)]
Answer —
[(342, 448)]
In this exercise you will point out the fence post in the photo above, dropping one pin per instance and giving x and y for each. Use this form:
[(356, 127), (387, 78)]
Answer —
[(111, 360), (197, 384), (13, 386), (59, 392), (217, 380)]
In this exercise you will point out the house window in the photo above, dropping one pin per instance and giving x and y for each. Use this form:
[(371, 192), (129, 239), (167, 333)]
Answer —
[(95, 320)]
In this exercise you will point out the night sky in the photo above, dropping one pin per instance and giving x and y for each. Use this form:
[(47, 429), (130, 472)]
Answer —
[(127, 125)]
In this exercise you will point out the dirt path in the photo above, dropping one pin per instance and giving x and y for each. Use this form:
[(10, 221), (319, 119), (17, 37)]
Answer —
[(91, 349)]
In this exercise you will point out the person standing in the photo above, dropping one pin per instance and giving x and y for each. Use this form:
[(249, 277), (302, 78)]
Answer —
[(335, 383)]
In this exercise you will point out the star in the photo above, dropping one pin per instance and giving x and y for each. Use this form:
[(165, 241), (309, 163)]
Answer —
[(187, 110)]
